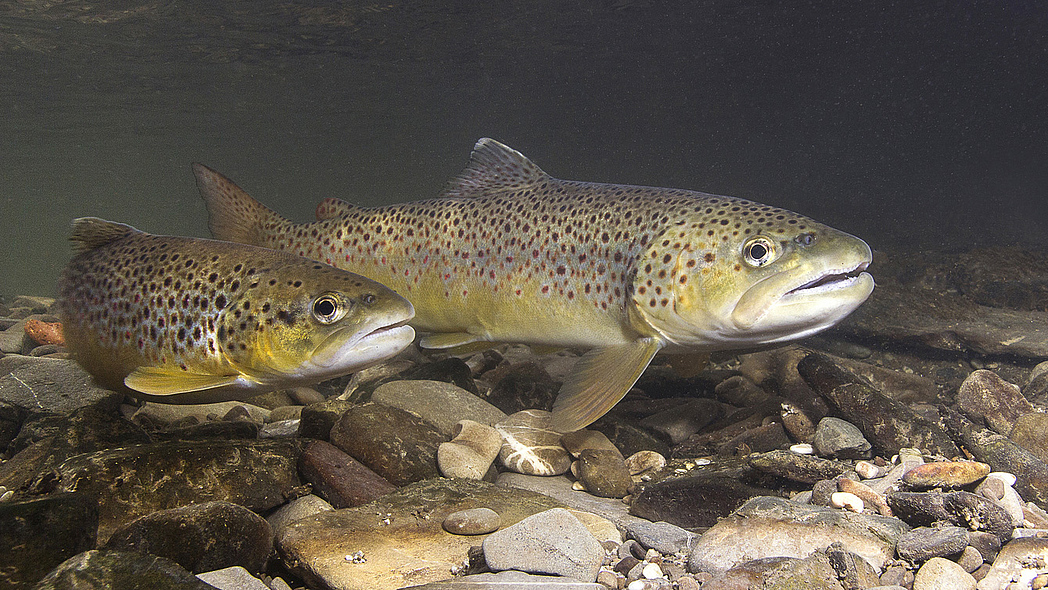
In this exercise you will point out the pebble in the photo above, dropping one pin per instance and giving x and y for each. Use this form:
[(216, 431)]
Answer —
[(942, 574), (868, 470), (802, 449), (645, 463), (296, 509), (970, 559), (838, 438), (800, 468), (550, 542), (530, 446), (946, 474), (867, 495), (233, 578), (603, 473), (847, 501), (473, 521)]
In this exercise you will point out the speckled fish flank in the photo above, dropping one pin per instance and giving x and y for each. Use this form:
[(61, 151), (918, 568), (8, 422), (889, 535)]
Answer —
[(185, 320), (511, 254)]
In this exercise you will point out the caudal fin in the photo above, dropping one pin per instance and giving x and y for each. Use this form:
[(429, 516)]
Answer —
[(234, 215)]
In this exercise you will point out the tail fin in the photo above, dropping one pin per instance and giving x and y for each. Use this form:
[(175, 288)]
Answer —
[(234, 215), (91, 232)]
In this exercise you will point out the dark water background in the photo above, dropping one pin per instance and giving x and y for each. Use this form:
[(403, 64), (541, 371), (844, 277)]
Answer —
[(910, 124)]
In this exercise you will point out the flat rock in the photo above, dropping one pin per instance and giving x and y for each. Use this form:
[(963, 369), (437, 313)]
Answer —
[(694, 501), (441, 404), (508, 580), (767, 527), (37, 535), (1015, 558), (797, 467), (138, 480), (338, 478), (200, 537), (923, 543), (233, 578), (111, 570), (398, 537), (550, 542), (396, 444), (47, 384)]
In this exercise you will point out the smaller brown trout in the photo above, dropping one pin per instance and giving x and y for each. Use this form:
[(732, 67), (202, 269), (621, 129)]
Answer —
[(512, 254), (187, 320)]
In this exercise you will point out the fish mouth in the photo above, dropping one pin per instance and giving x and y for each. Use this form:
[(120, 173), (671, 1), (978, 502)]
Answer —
[(799, 302), (346, 355), (830, 281)]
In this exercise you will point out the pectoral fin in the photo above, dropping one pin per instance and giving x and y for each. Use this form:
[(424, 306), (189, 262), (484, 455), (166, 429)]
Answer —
[(600, 379), (163, 381)]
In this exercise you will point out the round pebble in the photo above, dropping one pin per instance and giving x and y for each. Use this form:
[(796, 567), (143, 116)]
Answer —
[(846, 500), (473, 521), (802, 449), (652, 571)]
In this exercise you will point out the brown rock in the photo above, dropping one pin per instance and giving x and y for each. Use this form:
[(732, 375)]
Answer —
[(395, 444), (338, 478), (1000, 403), (945, 474)]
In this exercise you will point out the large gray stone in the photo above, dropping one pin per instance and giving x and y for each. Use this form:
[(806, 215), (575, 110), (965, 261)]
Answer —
[(439, 403), (508, 580), (47, 384), (550, 542)]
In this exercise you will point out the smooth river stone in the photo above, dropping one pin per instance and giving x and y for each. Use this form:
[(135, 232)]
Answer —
[(473, 521), (530, 446), (471, 452), (946, 474)]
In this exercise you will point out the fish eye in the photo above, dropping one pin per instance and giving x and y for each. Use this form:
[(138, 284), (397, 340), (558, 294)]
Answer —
[(758, 251), (327, 309)]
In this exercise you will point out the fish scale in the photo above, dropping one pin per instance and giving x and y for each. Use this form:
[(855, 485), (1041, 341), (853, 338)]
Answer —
[(187, 320), (511, 254)]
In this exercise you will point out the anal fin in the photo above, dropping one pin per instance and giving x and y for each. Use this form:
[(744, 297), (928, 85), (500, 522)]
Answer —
[(600, 379), (163, 381)]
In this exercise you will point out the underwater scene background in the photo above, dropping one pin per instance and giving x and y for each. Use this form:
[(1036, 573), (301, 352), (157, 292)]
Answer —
[(911, 125)]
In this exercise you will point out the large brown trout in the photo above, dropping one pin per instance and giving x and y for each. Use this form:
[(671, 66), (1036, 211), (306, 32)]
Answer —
[(186, 320), (511, 254)]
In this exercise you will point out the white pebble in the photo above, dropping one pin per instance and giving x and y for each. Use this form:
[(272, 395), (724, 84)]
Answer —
[(846, 500), (802, 449), (652, 571), (867, 470)]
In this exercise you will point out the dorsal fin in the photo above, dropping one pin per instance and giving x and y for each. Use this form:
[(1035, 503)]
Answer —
[(91, 232), (331, 207), (233, 215), (494, 167)]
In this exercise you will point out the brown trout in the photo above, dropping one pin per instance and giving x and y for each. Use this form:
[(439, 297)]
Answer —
[(511, 254), (186, 320)]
